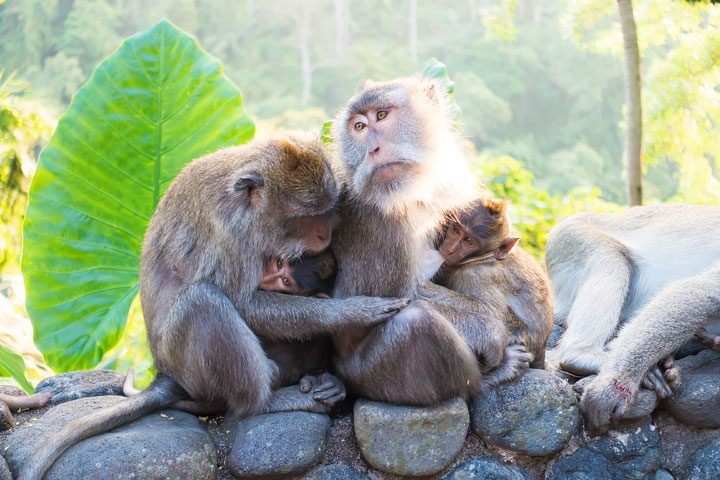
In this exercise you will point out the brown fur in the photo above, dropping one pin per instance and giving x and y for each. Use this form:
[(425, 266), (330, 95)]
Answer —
[(510, 283), (223, 216), (427, 353)]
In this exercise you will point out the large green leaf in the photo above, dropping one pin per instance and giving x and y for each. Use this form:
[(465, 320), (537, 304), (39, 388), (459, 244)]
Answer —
[(155, 104), (13, 364)]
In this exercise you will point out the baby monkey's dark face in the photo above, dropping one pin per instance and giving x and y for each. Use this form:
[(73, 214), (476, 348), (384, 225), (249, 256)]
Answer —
[(308, 275), (461, 244), (278, 277)]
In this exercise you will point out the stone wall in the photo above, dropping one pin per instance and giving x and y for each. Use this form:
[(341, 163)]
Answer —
[(528, 429)]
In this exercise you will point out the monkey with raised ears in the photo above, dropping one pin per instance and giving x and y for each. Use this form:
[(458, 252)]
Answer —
[(405, 168), (203, 258), (481, 259)]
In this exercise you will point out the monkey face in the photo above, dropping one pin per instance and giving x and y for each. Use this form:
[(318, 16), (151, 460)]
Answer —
[(278, 277), (459, 244)]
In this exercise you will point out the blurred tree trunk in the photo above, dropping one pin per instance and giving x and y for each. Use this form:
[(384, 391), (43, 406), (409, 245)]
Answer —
[(341, 27), (633, 131), (412, 20)]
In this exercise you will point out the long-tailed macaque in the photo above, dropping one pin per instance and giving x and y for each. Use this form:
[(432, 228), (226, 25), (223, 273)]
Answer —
[(608, 269), (405, 170), (481, 259), (203, 257)]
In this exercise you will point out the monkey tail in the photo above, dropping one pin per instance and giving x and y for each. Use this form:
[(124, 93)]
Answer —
[(161, 393)]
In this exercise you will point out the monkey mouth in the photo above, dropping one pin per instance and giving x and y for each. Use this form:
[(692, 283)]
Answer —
[(387, 171)]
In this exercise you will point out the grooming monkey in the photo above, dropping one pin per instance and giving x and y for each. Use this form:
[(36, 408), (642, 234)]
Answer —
[(203, 258), (405, 170), (482, 260), (607, 269)]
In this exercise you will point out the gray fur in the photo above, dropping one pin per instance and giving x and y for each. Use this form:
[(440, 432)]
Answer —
[(222, 217), (425, 354)]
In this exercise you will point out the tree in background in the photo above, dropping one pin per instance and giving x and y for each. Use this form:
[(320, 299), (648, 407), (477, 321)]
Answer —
[(633, 127)]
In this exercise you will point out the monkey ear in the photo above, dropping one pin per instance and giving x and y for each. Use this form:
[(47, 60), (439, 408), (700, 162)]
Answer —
[(505, 247), (430, 90), (249, 186)]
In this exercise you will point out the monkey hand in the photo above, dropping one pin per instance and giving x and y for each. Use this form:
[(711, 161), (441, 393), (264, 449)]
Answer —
[(370, 311), (605, 399), (326, 388), (664, 380)]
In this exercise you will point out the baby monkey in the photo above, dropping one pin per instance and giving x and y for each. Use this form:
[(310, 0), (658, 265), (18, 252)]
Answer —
[(309, 276), (482, 260)]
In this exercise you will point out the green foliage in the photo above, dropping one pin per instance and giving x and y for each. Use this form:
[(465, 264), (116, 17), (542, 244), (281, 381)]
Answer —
[(24, 127), (13, 365), (533, 210), (158, 102)]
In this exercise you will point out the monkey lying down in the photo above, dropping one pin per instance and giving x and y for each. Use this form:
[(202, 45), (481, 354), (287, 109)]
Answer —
[(482, 260)]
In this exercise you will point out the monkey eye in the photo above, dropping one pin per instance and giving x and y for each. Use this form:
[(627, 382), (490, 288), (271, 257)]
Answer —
[(286, 281), (381, 114), (359, 126), (279, 263), (468, 240)]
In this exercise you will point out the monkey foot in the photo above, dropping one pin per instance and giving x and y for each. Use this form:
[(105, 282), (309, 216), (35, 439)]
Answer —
[(708, 339), (663, 378), (325, 388)]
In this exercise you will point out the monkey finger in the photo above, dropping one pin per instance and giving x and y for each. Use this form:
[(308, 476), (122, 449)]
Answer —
[(325, 386), (661, 387), (333, 400), (321, 396), (306, 384)]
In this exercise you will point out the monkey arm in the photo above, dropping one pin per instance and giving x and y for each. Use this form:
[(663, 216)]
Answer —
[(293, 317), (668, 320)]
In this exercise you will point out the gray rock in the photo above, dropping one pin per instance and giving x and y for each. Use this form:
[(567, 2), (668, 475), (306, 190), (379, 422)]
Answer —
[(336, 471), (410, 440), (4, 470), (663, 474), (278, 444), (533, 415), (582, 464), (165, 445), (644, 404), (631, 451), (81, 384), (705, 464), (486, 468), (697, 401)]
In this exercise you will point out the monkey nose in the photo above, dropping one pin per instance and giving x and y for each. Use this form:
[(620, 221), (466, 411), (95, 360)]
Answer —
[(374, 151)]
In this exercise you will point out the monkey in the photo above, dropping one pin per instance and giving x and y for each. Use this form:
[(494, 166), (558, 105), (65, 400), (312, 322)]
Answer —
[(660, 328), (481, 259), (309, 275), (404, 168), (605, 269), (202, 259)]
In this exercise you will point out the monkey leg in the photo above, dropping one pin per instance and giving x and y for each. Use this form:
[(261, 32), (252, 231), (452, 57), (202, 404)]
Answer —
[(209, 350), (671, 317), (23, 402), (595, 313), (415, 358)]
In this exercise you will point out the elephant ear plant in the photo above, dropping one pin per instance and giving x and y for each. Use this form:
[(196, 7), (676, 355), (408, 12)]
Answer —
[(150, 108)]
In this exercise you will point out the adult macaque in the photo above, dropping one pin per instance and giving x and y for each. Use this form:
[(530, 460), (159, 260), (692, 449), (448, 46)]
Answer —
[(406, 170), (607, 268), (203, 258), (481, 259), (308, 275)]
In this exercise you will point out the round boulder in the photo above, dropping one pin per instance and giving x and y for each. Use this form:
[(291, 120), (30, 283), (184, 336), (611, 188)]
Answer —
[(697, 401), (277, 444), (705, 463), (81, 384), (535, 414), (486, 468), (410, 440), (166, 445)]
